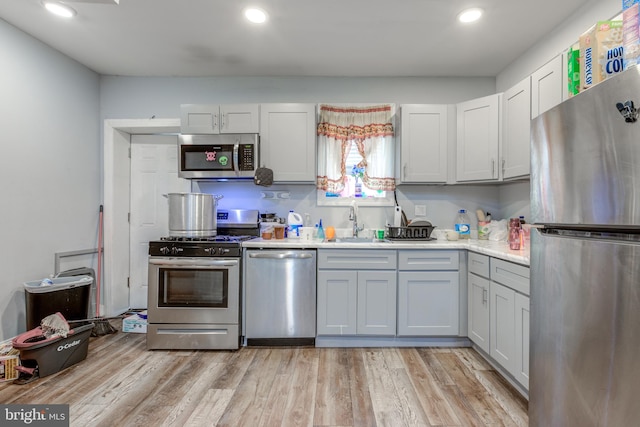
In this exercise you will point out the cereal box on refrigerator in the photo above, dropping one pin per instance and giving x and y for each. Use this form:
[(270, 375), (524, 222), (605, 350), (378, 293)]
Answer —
[(631, 31), (601, 53)]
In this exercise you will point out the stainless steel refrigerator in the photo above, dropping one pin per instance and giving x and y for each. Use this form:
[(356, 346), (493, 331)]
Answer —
[(585, 259)]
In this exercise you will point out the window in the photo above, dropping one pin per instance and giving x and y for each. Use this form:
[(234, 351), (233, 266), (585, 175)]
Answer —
[(356, 155)]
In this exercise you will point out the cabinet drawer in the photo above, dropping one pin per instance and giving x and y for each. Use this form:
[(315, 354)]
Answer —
[(479, 264), (514, 276), (357, 259), (420, 260)]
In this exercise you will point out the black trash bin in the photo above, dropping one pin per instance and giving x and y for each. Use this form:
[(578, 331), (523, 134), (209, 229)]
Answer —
[(67, 295)]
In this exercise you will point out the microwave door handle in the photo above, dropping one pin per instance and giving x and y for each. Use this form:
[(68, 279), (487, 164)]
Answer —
[(236, 149)]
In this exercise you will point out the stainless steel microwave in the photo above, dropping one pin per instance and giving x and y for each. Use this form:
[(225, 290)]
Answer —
[(225, 156)]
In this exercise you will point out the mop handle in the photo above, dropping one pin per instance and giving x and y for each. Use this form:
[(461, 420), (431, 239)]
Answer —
[(98, 282)]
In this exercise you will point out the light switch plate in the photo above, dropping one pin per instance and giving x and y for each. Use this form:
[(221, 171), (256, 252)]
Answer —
[(420, 210)]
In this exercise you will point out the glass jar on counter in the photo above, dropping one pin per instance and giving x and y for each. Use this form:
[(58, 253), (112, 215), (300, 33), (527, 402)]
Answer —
[(515, 233)]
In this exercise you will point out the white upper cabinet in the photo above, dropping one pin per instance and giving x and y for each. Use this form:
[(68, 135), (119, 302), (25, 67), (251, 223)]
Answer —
[(424, 141), (478, 139), (214, 119), (547, 85), (516, 119), (288, 141)]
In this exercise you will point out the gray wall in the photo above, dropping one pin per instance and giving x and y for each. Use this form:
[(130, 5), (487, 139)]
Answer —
[(49, 165)]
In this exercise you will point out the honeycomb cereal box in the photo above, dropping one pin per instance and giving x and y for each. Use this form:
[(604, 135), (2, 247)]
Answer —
[(631, 31), (601, 53)]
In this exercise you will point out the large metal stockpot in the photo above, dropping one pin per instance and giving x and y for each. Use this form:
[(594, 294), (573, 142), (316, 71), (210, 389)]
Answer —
[(192, 214)]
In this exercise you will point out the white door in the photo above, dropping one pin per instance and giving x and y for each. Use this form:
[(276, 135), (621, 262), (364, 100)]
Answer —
[(154, 172)]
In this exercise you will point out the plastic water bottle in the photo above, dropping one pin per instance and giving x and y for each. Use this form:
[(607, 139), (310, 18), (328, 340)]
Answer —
[(463, 224), (295, 222)]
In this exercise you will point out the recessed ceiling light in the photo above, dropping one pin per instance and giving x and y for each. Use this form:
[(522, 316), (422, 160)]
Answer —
[(255, 15), (470, 15), (59, 9)]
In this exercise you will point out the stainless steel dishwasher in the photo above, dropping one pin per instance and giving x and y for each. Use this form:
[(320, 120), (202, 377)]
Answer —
[(280, 296)]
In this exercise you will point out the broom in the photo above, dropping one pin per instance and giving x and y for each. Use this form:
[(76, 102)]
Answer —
[(101, 326)]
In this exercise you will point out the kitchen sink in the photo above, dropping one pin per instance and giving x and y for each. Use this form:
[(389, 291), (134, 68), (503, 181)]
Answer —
[(355, 240)]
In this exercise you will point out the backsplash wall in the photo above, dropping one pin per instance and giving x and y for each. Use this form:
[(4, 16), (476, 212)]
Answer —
[(442, 202)]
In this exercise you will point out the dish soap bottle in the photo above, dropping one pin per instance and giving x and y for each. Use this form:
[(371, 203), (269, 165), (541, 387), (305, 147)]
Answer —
[(320, 231), (463, 224)]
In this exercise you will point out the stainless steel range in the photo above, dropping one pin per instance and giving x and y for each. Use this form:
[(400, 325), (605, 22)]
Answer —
[(194, 286)]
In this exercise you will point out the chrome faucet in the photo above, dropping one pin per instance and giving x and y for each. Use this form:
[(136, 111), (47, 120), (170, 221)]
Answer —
[(353, 216)]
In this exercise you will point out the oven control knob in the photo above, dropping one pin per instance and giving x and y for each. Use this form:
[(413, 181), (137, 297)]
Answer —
[(164, 250), (175, 251), (209, 250), (222, 251)]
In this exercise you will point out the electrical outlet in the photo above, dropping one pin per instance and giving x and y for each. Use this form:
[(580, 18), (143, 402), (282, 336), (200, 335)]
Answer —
[(420, 210)]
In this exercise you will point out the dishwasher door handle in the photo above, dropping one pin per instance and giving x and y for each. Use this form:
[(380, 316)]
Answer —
[(280, 255)]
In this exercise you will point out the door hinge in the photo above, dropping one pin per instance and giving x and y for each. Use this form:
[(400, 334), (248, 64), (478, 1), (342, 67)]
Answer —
[(128, 282), (129, 152), (129, 217)]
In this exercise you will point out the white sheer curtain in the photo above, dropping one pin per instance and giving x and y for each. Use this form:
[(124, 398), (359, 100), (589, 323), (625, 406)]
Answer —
[(371, 129)]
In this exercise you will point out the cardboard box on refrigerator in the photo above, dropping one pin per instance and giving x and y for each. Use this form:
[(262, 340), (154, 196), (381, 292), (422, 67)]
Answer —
[(601, 53), (631, 31), (136, 323), (573, 69)]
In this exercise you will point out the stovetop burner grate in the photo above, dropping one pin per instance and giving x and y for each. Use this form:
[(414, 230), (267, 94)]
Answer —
[(213, 239)]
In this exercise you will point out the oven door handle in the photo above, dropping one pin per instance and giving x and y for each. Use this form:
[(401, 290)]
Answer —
[(182, 262), (280, 255)]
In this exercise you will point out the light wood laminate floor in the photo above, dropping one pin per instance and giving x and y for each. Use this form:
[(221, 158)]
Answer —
[(122, 384)]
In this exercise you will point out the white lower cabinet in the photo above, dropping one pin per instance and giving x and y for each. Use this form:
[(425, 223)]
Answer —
[(478, 300), (337, 302), (502, 309), (356, 292), (428, 293), (498, 313), (521, 369), (376, 311)]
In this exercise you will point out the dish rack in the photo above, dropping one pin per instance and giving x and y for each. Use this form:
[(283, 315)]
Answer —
[(410, 233)]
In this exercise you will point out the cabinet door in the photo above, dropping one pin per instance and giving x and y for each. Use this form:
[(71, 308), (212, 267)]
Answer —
[(502, 309), (515, 147), (240, 118), (199, 118), (337, 302), (428, 303), (288, 141), (376, 303), (478, 306), (546, 87), (521, 371), (478, 124), (423, 143)]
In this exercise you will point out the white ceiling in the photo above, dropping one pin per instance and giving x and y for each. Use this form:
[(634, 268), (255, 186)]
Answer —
[(301, 38)]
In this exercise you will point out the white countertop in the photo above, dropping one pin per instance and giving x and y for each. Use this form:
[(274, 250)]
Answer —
[(495, 249)]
